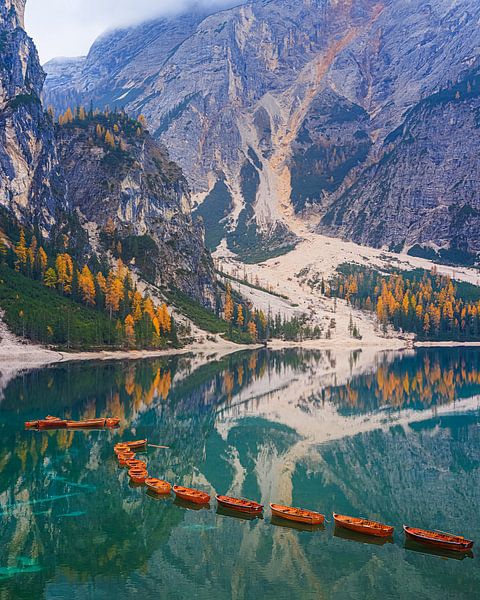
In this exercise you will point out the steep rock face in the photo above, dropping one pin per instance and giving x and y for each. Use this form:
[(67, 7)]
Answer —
[(51, 175), (135, 200), (29, 185), (425, 185), (288, 106)]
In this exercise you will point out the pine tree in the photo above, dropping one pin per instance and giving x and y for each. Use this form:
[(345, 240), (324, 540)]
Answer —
[(252, 331), (240, 318), (114, 293), (101, 282), (137, 311), (164, 318), (130, 331), (21, 252), (86, 284), (32, 253), (42, 260), (3, 249), (228, 310), (109, 139), (64, 267), (50, 278)]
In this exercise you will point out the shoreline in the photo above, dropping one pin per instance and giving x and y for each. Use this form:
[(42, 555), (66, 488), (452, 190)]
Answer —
[(17, 355)]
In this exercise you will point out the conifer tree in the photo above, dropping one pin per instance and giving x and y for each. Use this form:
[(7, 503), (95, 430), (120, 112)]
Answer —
[(130, 331), (252, 331), (86, 284), (50, 278), (21, 252), (240, 318), (228, 310), (137, 311)]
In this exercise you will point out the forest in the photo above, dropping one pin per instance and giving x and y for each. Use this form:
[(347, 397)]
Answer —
[(432, 306)]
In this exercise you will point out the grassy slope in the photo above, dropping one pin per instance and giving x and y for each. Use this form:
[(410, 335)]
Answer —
[(49, 317)]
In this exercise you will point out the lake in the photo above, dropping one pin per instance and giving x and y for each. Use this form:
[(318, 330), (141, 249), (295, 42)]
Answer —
[(394, 437)]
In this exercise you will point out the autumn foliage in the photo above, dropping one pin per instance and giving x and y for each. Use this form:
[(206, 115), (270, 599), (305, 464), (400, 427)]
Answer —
[(136, 320), (429, 304)]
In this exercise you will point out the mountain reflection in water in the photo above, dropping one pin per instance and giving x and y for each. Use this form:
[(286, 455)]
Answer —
[(394, 437)]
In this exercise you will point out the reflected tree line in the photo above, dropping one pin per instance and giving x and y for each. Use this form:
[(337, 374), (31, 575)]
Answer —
[(61, 492)]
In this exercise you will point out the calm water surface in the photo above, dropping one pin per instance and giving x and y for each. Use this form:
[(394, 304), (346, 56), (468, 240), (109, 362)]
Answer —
[(396, 438)]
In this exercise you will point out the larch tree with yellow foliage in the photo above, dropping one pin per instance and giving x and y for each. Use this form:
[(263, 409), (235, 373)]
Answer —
[(21, 252), (86, 285), (130, 331)]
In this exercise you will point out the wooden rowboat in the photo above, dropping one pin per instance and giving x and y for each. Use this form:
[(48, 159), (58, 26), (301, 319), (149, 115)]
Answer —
[(31, 424), (297, 514), (112, 422), (121, 448), (52, 423), (136, 445), (124, 457), (133, 463), (158, 486), (138, 475), (191, 495), (439, 539), (364, 526), (88, 424), (246, 506)]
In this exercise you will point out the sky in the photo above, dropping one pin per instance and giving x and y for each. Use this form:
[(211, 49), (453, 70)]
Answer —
[(69, 27)]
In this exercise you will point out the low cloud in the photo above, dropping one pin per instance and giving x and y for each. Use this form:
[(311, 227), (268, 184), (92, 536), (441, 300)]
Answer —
[(62, 28)]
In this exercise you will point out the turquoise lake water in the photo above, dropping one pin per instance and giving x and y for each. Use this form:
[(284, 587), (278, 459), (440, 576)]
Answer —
[(394, 438)]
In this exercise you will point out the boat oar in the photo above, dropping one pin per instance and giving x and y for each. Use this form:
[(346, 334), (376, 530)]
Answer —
[(156, 446)]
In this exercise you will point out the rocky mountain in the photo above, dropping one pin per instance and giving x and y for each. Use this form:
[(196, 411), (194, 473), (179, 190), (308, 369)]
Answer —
[(28, 163), (134, 201), (100, 178), (342, 111)]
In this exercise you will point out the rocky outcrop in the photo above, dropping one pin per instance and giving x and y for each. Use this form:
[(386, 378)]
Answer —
[(28, 177), (56, 177), (135, 203), (307, 95)]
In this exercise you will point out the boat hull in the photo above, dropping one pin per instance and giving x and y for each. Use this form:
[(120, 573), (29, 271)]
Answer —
[(364, 526), (136, 445), (138, 475), (52, 424), (244, 506), (298, 515), (158, 486), (191, 495), (90, 424), (444, 541)]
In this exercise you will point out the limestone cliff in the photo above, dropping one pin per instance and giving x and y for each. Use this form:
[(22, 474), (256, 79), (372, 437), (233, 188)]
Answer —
[(277, 110)]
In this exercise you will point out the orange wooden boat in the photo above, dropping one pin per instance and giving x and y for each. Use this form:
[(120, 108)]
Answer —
[(124, 457), (31, 424), (136, 445), (363, 526), (440, 539), (246, 506), (120, 448), (158, 486), (191, 495), (133, 463), (297, 514), (138, 475), (52, 423), (87, 424), (112, 422)]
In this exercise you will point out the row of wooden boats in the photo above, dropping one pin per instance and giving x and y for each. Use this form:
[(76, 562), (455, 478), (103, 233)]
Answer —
[(57, 423), (138, 474)]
